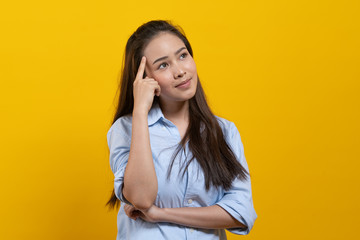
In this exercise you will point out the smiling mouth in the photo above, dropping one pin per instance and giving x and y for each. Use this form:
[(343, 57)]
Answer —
[(183, 82)]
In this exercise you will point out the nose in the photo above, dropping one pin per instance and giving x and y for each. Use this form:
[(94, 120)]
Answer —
[(178, 71)]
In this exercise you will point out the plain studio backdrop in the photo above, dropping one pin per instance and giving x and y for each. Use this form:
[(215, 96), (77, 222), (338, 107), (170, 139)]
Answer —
[(286, 72)]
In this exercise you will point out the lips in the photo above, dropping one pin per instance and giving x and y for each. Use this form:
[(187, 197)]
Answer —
[(183, 82)]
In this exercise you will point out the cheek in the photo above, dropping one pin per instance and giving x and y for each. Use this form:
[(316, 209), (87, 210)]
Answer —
[(191, 65), (163, 80)]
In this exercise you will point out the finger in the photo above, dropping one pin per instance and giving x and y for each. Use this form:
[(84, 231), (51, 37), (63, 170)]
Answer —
[(157, 91), (130, 212), (128, 209), (141, 69), (148, 79), (135, 214)]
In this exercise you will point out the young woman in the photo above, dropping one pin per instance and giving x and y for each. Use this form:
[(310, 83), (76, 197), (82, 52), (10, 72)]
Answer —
[(180, 172)]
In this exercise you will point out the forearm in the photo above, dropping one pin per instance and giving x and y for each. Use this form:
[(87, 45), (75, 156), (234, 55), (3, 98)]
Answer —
[(212, 217), (140, 182)]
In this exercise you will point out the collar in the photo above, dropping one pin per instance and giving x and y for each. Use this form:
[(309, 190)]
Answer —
[(155, 114)]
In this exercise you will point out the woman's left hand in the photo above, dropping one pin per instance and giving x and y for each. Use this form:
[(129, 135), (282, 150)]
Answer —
[(150, 215)]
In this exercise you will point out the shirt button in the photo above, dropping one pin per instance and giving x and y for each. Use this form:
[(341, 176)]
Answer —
[(163, 127), (191, 230), (190, 201)]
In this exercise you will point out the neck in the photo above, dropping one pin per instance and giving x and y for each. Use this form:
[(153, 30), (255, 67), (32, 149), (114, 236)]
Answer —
[(175, 111)]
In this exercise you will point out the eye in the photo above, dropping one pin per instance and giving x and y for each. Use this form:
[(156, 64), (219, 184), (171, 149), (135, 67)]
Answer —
[(163, 65), (182, 56)]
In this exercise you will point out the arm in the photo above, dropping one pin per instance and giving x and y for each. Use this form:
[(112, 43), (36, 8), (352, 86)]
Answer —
[(234, 211), (212, 217), (140, 181), (237, 201), (119, 139)]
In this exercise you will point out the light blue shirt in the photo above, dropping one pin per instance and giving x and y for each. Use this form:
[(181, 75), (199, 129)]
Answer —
[(178, 191)]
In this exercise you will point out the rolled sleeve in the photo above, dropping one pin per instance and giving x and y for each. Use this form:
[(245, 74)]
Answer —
[(119, 146), (237, 201)]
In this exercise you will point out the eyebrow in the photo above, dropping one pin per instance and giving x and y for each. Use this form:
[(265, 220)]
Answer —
[(162, 58)]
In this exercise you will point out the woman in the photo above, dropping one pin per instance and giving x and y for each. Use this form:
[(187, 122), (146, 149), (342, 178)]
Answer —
[(180, 172)]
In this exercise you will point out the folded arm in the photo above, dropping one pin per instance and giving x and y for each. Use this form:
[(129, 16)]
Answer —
[(212, 217), (140, 182)]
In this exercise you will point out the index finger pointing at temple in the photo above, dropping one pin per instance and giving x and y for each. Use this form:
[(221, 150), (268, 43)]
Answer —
[(141, 69)]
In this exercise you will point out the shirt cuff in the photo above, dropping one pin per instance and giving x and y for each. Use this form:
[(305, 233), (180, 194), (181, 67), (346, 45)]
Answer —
[(242, 217)]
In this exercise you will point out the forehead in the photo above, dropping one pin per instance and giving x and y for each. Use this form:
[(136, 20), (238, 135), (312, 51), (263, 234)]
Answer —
[(164, 44)]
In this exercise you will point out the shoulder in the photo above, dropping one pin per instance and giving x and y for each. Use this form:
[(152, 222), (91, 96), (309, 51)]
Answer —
[(122, 122), (121, 125), (228, 127), (233, 138)]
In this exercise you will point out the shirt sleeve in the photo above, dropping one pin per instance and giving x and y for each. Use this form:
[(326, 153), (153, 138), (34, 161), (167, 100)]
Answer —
[(237, 201), (119, 146)]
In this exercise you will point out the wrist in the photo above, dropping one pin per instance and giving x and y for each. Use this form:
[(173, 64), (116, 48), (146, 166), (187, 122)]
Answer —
[(140, 112), (162, 215)]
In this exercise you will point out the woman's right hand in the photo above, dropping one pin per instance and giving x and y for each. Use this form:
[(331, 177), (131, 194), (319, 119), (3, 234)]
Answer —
[(153, 214), (144, 89)]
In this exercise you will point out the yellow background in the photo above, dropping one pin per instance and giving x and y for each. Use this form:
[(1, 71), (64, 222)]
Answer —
[(286, 72)]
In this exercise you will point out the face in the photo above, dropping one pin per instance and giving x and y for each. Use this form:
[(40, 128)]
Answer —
[(171, 65)]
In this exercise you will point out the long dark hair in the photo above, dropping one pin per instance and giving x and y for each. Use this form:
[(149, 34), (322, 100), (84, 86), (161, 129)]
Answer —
[(205, 136)]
